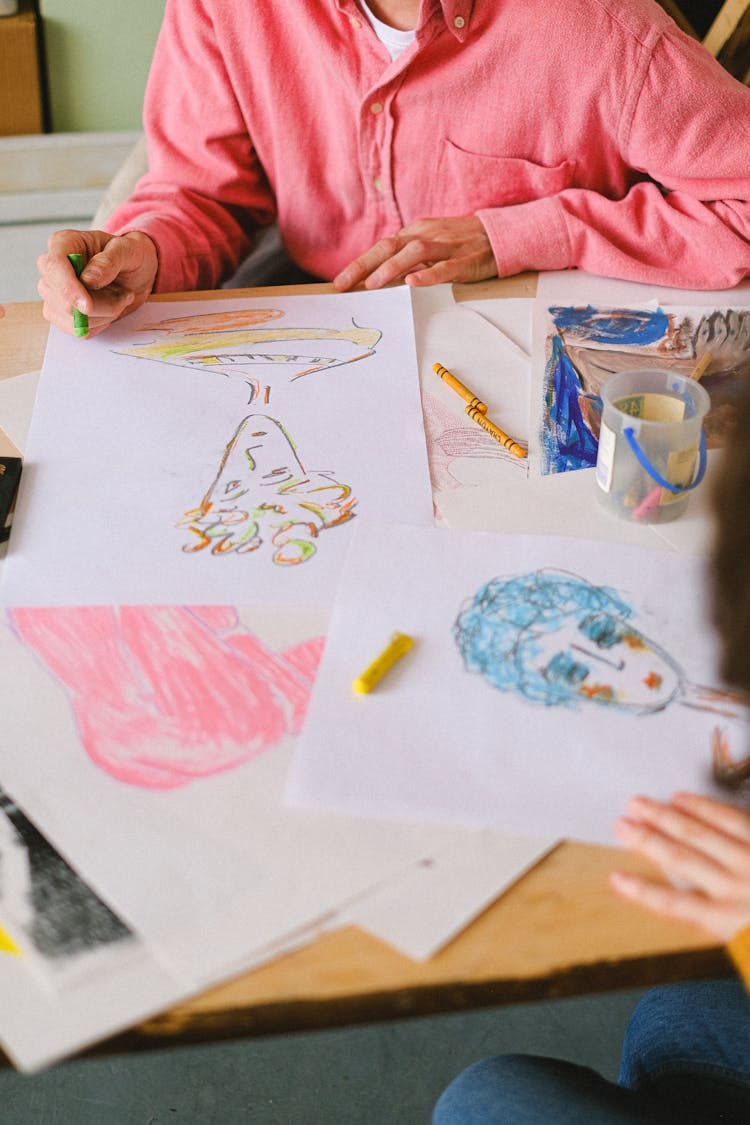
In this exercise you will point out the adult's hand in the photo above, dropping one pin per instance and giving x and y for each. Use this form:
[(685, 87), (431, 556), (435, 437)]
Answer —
[(701, 843), (427, 252), (117, 278)]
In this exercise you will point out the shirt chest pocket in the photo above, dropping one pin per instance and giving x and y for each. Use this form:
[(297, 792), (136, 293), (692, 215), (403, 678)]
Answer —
[(471, 180)]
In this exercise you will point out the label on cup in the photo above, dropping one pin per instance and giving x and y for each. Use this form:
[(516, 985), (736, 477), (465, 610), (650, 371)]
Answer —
[(652, 407), (605, 458)]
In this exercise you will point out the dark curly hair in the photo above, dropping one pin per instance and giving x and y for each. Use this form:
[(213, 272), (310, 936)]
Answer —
[(730, 573)]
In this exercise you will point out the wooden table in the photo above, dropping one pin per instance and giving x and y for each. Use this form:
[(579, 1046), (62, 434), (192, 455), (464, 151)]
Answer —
[(558, 932)]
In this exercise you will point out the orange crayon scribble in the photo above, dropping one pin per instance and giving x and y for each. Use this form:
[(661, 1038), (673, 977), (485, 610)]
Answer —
[(603, 692), (332, 363), (653, 681), (254, 388), (634, 641), (214, 322)]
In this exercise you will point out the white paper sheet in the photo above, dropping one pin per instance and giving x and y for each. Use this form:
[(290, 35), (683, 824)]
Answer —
[(558, 285), (39, 1028), (442, 743), (168, 798), (17, 396), (188, 456), (78, 972), (428, 904), (568, 504), (416, 911), (487, 346)]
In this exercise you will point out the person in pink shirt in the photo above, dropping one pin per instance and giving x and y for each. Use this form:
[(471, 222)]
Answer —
[(423, 141)]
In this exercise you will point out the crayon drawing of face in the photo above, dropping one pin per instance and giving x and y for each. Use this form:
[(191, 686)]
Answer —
[(262, 492), (555, 639), (602, 658)]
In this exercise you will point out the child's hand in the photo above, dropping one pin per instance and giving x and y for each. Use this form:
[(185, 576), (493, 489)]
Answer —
[(703, 844)]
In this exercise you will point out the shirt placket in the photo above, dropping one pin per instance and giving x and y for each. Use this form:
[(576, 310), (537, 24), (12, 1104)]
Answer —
[(376, 131), (377, 118)]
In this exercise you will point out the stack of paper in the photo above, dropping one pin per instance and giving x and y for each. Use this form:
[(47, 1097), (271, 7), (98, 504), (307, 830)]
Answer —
[(192, 481)]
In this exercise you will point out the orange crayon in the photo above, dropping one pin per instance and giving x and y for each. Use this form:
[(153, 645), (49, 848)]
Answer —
[(499, 435), (457, 386)]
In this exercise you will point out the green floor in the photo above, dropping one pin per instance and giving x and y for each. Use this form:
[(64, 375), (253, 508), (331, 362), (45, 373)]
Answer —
[(384, 1074)]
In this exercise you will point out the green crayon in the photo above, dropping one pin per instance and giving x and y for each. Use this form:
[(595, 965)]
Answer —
[(80, 320)]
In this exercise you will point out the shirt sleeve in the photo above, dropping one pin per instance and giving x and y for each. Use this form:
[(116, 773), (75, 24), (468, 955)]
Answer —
[(205, 192), (739, 951), (685, 132)]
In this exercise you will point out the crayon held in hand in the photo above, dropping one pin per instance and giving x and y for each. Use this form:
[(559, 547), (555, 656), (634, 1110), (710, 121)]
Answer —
[(457, 386), (399, 645), (80, 320), (499, 435)]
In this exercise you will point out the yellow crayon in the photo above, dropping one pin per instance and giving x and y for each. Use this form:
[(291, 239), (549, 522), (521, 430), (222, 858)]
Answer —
[(7, 945), (457, 386), (495, 431), (701, 367), (399, 645)]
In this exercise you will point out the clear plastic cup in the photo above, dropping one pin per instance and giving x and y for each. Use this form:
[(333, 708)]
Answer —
[(650, 440)]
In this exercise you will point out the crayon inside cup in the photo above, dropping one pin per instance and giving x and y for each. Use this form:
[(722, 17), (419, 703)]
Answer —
[(650, 437)]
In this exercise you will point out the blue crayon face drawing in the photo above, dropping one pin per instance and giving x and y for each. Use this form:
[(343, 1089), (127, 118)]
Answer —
[(554, 638), (603, 659)]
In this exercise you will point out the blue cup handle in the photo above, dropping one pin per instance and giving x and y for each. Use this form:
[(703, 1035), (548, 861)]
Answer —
[(644, 462)]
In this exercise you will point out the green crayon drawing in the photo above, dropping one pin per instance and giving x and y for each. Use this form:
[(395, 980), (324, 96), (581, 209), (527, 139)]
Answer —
[(262, 493)]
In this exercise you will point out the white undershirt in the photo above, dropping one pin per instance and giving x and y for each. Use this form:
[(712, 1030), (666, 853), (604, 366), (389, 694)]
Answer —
[(393, 40)]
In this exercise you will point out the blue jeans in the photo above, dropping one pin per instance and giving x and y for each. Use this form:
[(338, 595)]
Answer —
[(685, 1061)]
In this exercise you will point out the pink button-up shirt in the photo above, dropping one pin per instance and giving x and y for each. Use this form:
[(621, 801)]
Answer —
[(583, 133)]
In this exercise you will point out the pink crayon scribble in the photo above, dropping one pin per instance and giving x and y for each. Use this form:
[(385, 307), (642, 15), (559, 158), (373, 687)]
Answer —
[(449, 438), (164, 695)]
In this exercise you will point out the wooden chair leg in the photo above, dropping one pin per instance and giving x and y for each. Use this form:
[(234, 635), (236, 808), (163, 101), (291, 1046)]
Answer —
[(728, 38), (673, 9)]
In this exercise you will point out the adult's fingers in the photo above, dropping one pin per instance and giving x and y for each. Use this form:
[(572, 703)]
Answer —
[(118, 275), (366, 264), (683, 826), (721, 919), (426, 252)]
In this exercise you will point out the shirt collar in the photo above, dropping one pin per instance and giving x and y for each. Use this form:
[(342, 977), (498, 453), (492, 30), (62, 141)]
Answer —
[(456, 13)]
